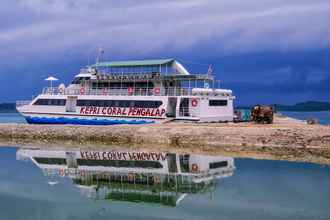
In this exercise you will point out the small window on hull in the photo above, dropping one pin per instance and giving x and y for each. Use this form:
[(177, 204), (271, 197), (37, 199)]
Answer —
[(53, 102), (51, 161), (218, 102), (120, 103), (218, 164), (121, 163)]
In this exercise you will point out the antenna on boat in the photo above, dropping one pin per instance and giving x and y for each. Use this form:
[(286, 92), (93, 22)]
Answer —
[(100, 53), (210, 70)]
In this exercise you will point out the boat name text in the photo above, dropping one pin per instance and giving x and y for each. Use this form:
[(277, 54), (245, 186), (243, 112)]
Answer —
[(111, 155), (117, 111)]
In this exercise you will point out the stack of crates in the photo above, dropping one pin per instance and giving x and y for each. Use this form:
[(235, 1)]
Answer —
[(242, 115)]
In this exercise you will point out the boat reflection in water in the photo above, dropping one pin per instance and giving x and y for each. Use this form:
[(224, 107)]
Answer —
[(149, 177)]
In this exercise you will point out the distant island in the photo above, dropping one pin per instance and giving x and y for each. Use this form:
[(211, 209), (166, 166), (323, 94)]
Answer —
[(7, 108), (309, 106)]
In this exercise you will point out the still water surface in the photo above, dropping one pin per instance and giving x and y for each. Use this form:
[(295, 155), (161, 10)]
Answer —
[(323, 117), (80, 184), (11, 118)]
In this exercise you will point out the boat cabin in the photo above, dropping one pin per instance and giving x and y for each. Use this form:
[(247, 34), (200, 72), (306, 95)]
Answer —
[(151, 90)]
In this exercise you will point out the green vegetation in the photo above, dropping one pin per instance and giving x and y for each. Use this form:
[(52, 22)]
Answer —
[(309, 106)]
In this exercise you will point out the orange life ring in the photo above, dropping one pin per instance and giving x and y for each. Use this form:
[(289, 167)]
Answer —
[(130, 177), (156, 179), (82, 173), (62, 172), (157, 91), (194, 167), (194, 102), (82, 91), (130, 90)]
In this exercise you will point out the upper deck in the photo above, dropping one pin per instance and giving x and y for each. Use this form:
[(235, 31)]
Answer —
[(162, 66), (164, 77)]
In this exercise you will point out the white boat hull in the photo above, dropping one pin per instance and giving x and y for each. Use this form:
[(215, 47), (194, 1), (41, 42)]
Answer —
[(32, 118)]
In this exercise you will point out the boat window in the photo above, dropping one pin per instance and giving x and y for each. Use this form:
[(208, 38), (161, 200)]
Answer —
[(120, 163), (56, 102), (218, 102), (119, 103), (55, 161), (218, 164), (78, 80)]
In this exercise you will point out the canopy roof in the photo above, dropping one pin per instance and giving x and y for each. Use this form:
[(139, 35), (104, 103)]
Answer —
[(134, 63), (51, 78)]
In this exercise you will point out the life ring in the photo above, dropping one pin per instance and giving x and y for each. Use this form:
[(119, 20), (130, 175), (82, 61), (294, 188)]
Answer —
[(61, 91), (82, 91), (157, 91), (130, 177), (194, 102), (105, 91), (194, 168), (82, 173), (61, 172), (156, 179), (130, 90)]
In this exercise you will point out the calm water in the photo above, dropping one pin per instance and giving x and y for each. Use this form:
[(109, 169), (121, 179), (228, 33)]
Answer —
[(257, 189), (323, 117), (11, 118)]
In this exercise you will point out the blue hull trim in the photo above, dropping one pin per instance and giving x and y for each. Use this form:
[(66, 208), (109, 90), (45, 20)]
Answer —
[(80, 121)]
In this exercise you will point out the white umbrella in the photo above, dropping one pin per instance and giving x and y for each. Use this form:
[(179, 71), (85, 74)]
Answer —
[(53, 183), (51, 79)]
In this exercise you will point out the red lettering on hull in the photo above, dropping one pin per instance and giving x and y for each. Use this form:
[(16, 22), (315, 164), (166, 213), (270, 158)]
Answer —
[(117, 111)]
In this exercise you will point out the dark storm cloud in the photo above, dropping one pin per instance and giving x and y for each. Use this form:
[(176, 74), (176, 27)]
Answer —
[(256, 45), (153, 26)]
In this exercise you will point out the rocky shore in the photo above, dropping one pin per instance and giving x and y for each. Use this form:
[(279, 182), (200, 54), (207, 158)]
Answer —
[(286, 139)]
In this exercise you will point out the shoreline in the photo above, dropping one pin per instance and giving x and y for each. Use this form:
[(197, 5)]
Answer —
[(286, 139)]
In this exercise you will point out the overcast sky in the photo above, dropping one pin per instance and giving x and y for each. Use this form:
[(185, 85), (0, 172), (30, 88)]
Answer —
[(265, 50)]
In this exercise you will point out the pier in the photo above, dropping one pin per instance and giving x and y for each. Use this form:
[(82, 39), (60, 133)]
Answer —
[(286, 139)]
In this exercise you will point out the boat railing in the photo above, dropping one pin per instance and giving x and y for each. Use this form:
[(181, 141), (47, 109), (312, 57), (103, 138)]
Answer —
[(188, 112), (130, 91), (22, 103)]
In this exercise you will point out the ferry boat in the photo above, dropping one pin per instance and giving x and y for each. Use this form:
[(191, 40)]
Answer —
[(132, 92), (164, 178)]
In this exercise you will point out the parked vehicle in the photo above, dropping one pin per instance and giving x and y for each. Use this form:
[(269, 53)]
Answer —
[(262, 114)]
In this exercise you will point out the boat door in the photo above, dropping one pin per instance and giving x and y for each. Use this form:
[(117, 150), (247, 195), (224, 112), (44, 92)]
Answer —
[(71, 104), (184, 107), (171, 106), (71, 160)]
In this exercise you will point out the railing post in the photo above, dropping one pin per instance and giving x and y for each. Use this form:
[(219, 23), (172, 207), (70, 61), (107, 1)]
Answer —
[(189, 87)]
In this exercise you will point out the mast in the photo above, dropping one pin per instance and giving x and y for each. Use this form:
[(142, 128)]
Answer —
[(99, 56)]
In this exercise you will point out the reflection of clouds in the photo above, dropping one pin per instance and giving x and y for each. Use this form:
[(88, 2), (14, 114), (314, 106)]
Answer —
[(122, 186), (258, 190)]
